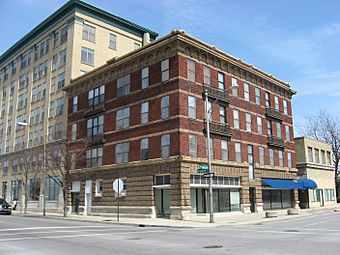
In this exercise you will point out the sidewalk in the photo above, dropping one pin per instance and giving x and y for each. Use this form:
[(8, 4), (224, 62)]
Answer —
[(230, 219)]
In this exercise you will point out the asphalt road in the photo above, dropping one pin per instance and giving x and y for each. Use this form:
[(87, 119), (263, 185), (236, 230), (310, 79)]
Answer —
[(317, 234)]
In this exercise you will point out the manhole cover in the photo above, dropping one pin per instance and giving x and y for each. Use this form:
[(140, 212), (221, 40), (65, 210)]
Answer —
[(212, 246), (106, 220), (291, 230)]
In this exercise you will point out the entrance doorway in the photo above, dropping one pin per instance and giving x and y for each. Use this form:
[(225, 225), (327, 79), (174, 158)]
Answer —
[(163, 202), (322, 201), (252, 199), (75, 202)]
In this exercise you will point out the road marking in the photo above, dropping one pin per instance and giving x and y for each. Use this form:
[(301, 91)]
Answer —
[(315, 223), (33, 228), (81, 235), (59, 231), (283, 232)]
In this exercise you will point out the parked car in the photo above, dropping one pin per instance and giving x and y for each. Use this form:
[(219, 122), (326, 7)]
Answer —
[(5, 208)]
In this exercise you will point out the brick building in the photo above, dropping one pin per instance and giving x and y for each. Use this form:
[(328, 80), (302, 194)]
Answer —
[(142, 117)]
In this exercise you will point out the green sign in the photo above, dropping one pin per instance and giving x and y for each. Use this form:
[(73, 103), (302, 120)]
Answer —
[(203, 169)]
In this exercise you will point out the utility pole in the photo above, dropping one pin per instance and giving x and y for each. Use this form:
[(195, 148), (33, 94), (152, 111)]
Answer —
[(208, 117)]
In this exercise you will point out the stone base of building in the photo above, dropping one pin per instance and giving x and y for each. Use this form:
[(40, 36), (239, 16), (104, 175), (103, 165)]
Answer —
[(124, 211), (259, 207), (245, 208), (180, 212)]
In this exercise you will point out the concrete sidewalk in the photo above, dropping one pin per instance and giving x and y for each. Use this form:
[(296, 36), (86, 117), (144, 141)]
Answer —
[(230, 219)]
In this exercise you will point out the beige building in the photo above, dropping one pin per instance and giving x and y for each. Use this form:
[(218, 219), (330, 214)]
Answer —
[(75, 39), (314, 162)]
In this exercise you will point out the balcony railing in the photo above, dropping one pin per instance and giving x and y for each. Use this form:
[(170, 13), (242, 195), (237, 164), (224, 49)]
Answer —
[(217, 94), (274, 114), (275, 141), (221, 129), (94, 110), (97, 139)]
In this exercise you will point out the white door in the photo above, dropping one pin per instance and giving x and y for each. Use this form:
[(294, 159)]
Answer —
[(88, 197)]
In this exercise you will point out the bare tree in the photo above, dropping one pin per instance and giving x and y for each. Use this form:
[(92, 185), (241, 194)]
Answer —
[(325, 126), (59, 162), (24, 171)]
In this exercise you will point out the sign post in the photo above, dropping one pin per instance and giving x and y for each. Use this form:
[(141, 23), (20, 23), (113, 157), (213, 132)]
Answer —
[(118, 186)]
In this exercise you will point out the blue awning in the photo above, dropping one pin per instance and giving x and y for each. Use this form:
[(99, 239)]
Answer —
[(282, 184), (307, 183)]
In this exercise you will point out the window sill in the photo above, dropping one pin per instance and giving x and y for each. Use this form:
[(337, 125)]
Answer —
[(88, 64)]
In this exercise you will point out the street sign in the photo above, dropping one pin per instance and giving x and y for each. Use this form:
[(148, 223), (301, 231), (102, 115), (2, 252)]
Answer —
[(118, 185), (208, 175), (202, 169)]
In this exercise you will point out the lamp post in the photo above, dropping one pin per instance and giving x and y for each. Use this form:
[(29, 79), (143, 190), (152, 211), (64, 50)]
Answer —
[(210, 173), (24, 124)]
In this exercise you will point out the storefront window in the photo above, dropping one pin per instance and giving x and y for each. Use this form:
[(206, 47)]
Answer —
[(276, 199)]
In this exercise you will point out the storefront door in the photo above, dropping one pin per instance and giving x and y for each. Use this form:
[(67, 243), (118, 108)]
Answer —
[(75, 202), (163, 202)]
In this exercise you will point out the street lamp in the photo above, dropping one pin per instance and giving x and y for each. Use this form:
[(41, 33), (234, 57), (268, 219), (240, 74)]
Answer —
[(24, 124), (210, 173)]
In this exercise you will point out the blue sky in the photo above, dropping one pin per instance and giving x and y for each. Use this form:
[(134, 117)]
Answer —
[(296, 41)]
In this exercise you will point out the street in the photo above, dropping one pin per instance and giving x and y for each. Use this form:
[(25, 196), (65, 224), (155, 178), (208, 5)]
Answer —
[(316, 234)]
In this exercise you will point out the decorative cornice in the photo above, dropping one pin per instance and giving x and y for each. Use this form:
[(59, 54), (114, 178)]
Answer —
[(177, 42)]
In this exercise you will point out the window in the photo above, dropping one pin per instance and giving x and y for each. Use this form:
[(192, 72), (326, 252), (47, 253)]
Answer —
[(276, 101), (96, 96), (278, 130), (236, 119), (259, 125), (192, 107), (15, 190), (99, 188), (123, 118), (316, 195), (251, 172), (223, 114), (89, 33), (144, 148), (329, 194), (261, 155), (61, 81), (74, 132), (193, 145), (51, 113), (323, 157), (269, 127), (271, 157), (248, 122), (234, 87), (122, 152), (289, 159), (94, 157), (165, 143), (113, 42), (145, 77), (145, 112), (206, 75), (62, 58), (87, 56), (73, 160), (281, 158), (310, 154), (220, 77), (75, 104), (329, 158), (52, 188), (54, 62), (257, 96), (123, 86), (165, 107), (224, 148), (317, 157), (287, 133), (165, 70), (285, 106), (56, 39), (267, 99), (191, 70), (60, 106), (63, 35), (238, 156), (246, 92), (95, 126), (53, 85)]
